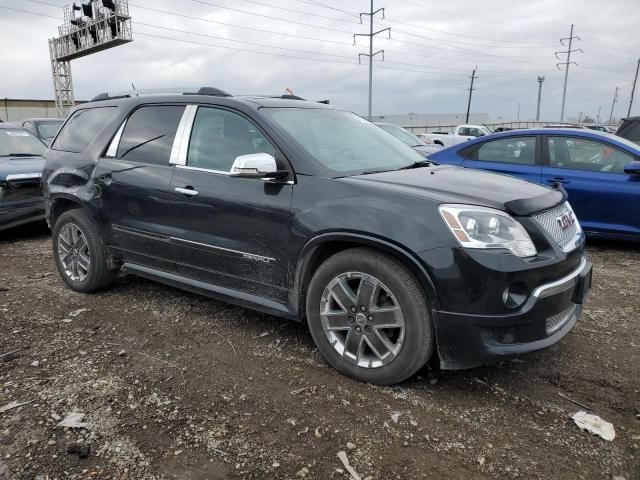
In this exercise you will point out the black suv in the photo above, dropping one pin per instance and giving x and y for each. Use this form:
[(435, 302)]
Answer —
[(630, 129), (312, 213)]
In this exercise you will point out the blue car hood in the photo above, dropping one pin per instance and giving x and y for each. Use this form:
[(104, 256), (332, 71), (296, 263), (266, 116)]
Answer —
[(22, 166)]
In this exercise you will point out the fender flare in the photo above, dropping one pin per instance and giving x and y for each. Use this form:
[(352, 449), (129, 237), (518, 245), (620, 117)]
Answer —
[(391, 248)]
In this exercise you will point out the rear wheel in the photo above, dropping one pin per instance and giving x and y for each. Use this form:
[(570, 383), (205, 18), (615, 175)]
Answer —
[(79, 254), (369, 317)]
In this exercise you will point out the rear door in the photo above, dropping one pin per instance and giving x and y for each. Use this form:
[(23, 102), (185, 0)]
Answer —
[(230, 232), (133, 178), (517, 155), (605, 199)]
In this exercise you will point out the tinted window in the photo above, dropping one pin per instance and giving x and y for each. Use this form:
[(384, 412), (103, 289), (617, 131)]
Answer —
[(49, 129), (581, 154), (520, 150), (82, 128), (149, 133), (219, 136), (19, 142), (343, 141)]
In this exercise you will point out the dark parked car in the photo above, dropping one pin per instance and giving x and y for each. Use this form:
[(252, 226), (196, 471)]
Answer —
[(630, 129), (600, 171), (410, 139), (312, 213), (20, 170), (43, 128)]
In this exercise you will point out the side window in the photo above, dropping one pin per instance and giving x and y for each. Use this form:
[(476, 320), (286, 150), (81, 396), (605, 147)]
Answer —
[(475, 132), (520, 150), (583, 154), (219, 136), (464, 131), (82, 128), (149, 133)]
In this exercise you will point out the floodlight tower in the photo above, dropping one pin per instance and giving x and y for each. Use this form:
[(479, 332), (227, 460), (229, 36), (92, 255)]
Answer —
[(98, 25)]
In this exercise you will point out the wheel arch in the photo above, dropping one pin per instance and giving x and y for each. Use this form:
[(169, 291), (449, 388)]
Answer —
[(63, 203), (323, 246)]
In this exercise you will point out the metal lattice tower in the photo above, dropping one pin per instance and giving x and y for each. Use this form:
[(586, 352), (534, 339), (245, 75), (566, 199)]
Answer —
[(102, 24)]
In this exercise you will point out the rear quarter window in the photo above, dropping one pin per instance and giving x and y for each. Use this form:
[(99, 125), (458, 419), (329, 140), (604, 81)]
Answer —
[(82, 128)]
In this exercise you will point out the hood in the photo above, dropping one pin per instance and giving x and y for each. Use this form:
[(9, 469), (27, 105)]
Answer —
[(26, 167), (448, 184)]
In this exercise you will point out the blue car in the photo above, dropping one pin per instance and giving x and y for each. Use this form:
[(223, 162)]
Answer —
[(601, 172), (21, 166)]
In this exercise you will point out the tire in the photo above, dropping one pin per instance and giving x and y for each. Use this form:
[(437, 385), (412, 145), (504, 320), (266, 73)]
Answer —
[(91, 271), (369, 274)]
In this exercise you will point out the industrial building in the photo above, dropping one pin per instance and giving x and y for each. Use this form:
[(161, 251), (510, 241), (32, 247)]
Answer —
[(14, 109)]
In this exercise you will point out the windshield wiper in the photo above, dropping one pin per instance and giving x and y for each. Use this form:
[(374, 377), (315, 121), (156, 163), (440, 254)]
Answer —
[(420, 164), (20, 155), (371, 172)]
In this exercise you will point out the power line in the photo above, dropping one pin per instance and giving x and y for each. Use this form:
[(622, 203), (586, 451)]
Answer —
[(615, 99), (371, 53), (633, 89), (473, 77), (566, 64), (540, 81)]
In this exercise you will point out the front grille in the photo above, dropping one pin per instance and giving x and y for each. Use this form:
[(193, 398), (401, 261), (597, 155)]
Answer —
[(548, 219), (555, 322)]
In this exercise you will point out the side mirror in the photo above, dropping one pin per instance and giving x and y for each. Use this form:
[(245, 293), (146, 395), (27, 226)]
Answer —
[(633, 168), (254, 165)]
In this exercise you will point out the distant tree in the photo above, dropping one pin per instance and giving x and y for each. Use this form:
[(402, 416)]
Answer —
[(588, 119)]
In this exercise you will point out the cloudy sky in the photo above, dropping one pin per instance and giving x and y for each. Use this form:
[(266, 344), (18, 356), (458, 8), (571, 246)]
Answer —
[(265, 46)]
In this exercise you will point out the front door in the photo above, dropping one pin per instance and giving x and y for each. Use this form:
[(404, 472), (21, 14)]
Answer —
[(133, 180), (605, 199), (230, 232), (517, 156)]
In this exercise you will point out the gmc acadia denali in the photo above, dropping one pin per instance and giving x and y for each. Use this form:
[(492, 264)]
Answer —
[(309, 212)]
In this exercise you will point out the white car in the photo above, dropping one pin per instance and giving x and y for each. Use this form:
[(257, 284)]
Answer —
[(461, 134)]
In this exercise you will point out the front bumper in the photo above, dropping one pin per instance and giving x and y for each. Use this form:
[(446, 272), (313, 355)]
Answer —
[(466, 340), (13, 214)]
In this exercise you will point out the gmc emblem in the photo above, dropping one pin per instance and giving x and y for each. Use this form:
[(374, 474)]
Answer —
[(565, 220)]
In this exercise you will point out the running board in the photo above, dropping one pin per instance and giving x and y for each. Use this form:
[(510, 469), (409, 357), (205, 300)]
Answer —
[(228, 295)]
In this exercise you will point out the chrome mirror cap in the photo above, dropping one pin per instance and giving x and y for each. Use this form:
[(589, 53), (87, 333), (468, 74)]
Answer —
[(254, 165)]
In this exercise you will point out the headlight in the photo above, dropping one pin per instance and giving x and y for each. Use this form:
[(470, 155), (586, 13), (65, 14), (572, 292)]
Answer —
[(482, 227)]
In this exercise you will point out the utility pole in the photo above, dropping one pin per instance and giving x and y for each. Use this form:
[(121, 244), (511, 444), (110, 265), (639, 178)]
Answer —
[(371, 53), (540, 81), (471, 89), (633, 89), (599, 111), (566, 64), (518, 112), (615, 99)]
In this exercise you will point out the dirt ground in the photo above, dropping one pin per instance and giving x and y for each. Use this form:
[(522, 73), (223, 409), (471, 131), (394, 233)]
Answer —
[(182, 387)]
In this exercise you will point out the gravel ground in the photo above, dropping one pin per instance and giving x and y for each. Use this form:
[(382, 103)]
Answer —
[(175, 386)]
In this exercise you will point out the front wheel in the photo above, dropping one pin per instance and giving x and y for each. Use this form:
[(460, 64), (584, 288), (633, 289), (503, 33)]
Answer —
[(369, 317), (79, 254)]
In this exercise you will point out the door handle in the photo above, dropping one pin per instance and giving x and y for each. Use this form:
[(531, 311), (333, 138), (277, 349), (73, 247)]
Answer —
[(558, 180), (188, 191)]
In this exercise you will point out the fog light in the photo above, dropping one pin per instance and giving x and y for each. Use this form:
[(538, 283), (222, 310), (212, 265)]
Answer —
[(515, 295)]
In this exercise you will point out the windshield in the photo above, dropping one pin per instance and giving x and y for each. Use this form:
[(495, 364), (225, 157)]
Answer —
[(49, 129), (401, 134), (342, 141), (19, 142)]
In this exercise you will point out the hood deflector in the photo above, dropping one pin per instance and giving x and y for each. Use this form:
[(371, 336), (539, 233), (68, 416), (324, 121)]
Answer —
[(527, 206)]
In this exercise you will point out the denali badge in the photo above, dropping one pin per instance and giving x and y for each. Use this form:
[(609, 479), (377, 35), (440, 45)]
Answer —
[(565, 219)]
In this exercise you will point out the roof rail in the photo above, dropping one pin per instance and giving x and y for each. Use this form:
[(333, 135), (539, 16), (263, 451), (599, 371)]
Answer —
[(161, 91)]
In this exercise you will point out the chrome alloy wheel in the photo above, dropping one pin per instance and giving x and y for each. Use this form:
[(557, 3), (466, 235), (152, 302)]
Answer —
[(362, 319), (73, 252)]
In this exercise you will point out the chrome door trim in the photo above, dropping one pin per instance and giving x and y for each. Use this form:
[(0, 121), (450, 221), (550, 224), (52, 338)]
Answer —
[(112, 151), (183, 133), (245, 255)]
